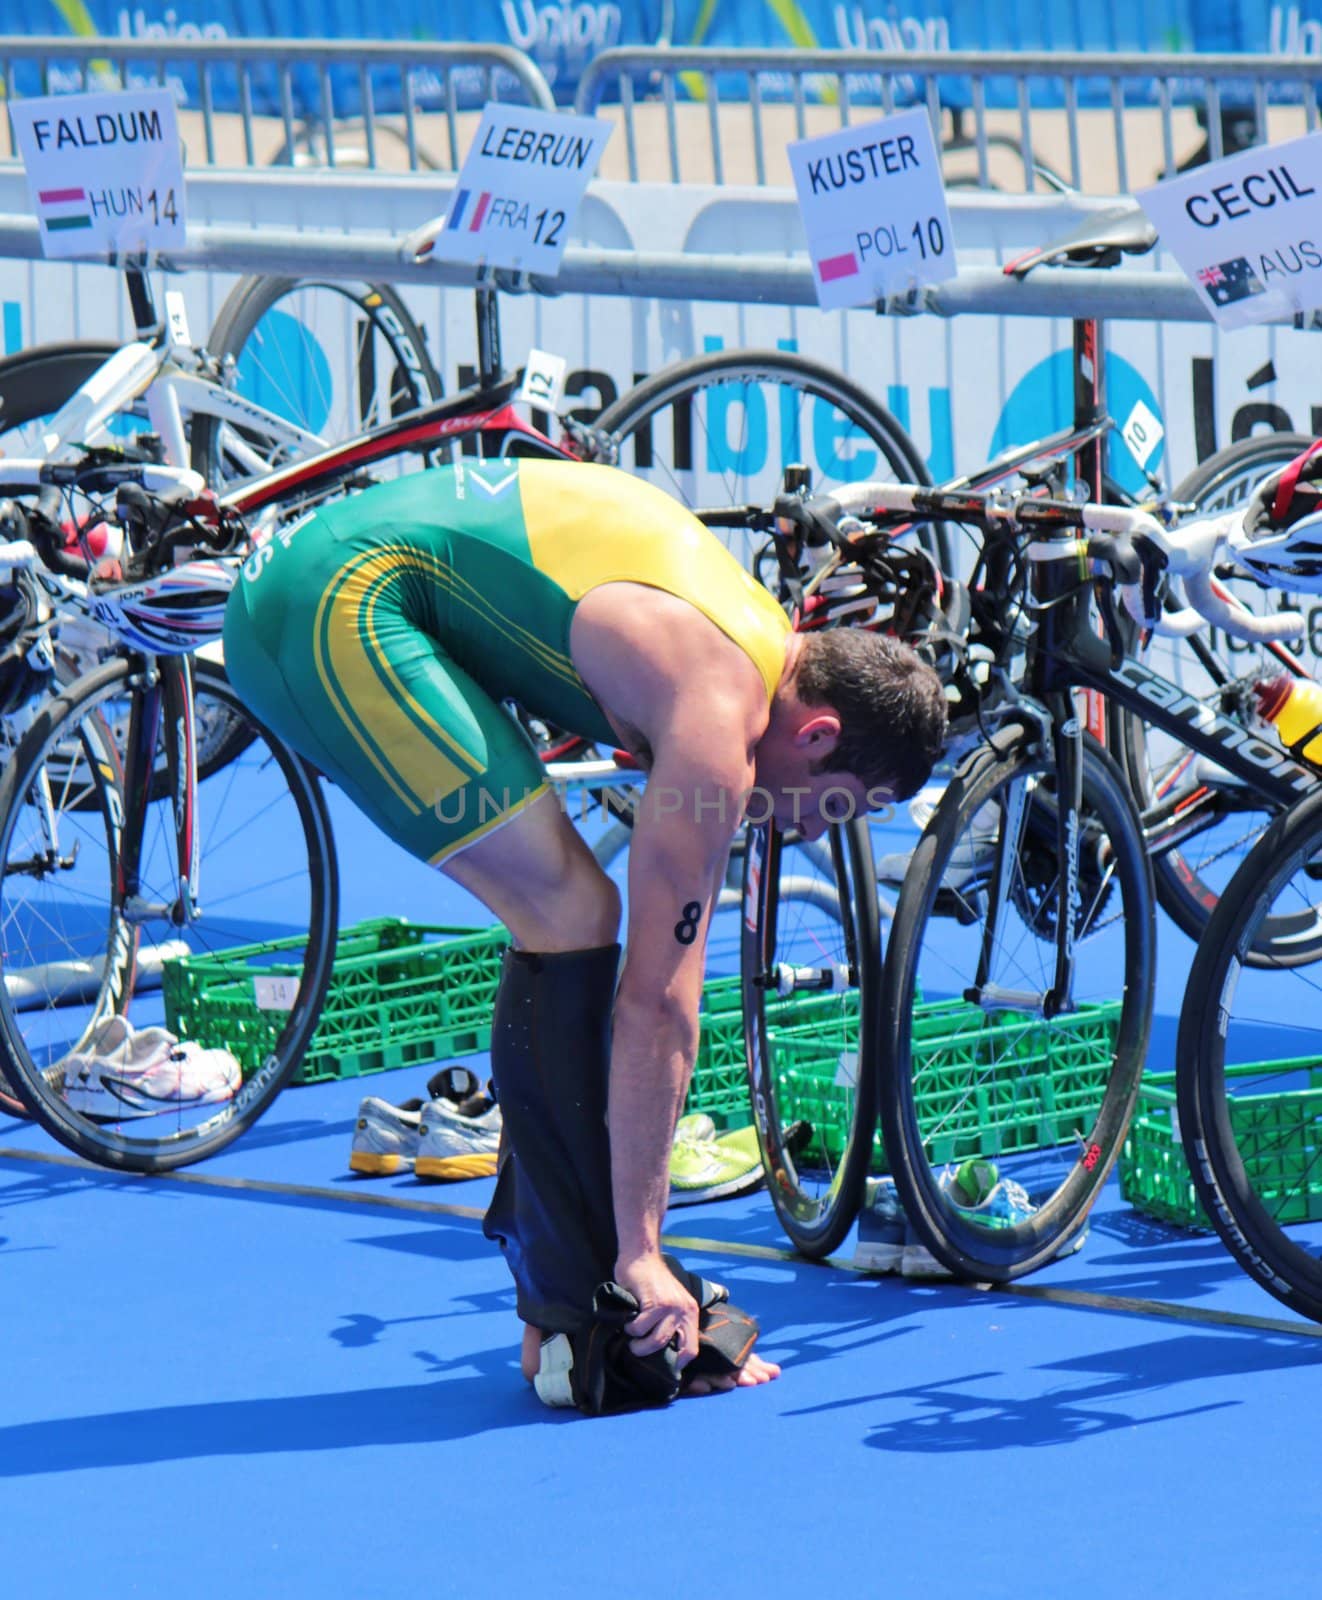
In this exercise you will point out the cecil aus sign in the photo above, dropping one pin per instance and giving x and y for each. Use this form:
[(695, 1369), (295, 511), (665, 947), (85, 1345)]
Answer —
[(1248, 231)]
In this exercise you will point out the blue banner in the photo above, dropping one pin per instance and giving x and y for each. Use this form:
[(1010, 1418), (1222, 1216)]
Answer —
[(563, 36)]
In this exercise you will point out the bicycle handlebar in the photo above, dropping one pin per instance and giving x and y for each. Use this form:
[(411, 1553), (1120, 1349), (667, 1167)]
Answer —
[(1133, 543), (1191, 552)]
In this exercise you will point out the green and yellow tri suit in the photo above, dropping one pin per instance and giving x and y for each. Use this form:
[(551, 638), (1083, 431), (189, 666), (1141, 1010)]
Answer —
[(379, 635)]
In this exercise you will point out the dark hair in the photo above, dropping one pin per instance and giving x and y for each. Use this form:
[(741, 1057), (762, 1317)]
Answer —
[(891, 706)]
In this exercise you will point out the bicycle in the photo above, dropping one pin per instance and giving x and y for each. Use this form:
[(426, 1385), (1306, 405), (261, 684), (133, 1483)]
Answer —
[(103, 715), (261, 391), (120, 854), (716, 428), (1248, 1063), (1034, 851)]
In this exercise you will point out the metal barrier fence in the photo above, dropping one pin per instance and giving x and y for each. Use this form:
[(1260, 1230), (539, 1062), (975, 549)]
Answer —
[(290, 102), (1084, 117), (1103, 124), (1125, 294)]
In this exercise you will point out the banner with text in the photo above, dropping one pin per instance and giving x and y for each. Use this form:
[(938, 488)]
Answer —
[(563, 36)]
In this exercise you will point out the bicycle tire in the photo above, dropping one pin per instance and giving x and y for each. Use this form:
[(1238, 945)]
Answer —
[(880, 446), (957, 1083), (77, 952), (793, 942), (277, 331), (1245, 1084), (107, 773), (1220, 670)]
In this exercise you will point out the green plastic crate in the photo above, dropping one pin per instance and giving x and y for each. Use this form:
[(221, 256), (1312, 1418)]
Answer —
[(719, 1085), (1034, 1079), (401, 993), (1279, 1135)]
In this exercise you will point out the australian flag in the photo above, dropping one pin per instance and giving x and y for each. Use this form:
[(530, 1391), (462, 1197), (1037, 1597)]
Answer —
[(1230, 281)]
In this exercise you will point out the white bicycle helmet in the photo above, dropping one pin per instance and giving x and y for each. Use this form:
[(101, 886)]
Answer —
[(172, 614), (26, 663), (1278, 540)]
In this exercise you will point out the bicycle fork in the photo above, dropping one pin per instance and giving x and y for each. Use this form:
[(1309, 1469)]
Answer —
[(1007, 875), (163, 699)]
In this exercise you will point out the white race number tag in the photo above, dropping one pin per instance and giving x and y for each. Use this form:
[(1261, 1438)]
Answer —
[(543, 383), (274, 993)]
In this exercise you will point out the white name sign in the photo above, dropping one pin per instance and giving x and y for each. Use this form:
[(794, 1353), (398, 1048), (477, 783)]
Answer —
[(519, 191), (104, 171), (874, 208), (1248, 230)]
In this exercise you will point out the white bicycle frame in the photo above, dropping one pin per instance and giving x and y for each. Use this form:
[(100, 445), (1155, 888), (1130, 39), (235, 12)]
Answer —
[(171, 380)]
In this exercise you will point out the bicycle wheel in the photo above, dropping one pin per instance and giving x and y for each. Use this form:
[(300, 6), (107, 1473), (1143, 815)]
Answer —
[(720, 429), (245, 972), (334, 358), (1047, 1099), (35, 383), (810, 966), (1213, 817), (1250, 1070)]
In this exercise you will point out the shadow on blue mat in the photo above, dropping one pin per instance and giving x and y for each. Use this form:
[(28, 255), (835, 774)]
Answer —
[(488, 1396), (973, 1413)]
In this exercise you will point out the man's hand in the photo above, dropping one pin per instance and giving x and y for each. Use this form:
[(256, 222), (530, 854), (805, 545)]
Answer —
[(667, 1308)]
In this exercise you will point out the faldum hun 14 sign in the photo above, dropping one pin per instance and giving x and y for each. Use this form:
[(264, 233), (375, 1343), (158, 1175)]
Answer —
[(519, 190), (874, 208), (1248, 230), (104, 171)]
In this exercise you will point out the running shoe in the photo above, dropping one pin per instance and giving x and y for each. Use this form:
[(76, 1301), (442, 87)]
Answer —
[(697, 1125), (125, 1072), (714, 1167), (385, 1137), (887, 1243), (458, 1140)]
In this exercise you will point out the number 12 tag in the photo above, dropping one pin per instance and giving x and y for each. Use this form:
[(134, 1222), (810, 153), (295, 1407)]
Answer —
[(543, 381)]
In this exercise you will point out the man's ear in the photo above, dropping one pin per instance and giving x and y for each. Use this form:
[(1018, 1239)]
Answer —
[(819, 734)]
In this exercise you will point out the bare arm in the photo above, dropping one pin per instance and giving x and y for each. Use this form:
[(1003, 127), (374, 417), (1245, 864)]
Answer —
[(691, 810), (662, 670)]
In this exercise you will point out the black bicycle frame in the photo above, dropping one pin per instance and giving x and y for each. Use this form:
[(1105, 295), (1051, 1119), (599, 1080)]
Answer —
[(1066, 653)]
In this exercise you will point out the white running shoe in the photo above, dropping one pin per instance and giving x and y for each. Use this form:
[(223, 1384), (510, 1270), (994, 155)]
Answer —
[(458, 1141), (385, 1137), (125, 1072)]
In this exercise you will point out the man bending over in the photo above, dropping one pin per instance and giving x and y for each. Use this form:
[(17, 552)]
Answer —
[(380, 636)]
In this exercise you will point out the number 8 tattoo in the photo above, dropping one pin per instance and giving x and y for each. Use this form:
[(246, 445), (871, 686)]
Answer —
[(686, 929)]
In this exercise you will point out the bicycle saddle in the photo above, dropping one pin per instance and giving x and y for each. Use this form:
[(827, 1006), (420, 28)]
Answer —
[(1098, 241)]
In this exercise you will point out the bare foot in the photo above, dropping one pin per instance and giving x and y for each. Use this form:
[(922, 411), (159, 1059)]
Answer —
[(754, 1371), (530, 1354)]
